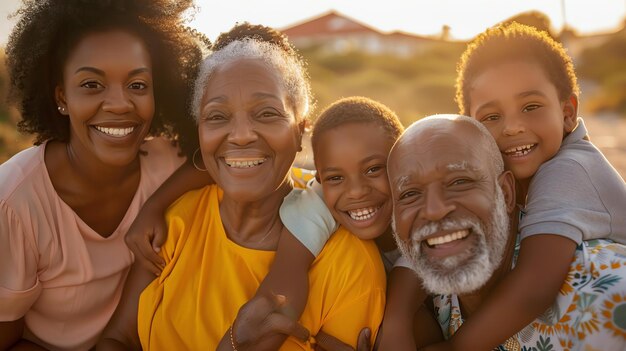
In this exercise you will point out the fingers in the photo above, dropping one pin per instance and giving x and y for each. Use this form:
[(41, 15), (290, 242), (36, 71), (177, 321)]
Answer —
[(262, 316), (330, 343), (160, 234), (364, 342), (142, 249), (279, 323)]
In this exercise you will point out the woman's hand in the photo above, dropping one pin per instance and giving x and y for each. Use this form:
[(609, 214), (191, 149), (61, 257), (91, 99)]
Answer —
[(146, 235), (261, 318), (325, 342)]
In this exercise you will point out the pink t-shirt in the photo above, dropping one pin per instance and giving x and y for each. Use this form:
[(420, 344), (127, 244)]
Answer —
[(55, 271)]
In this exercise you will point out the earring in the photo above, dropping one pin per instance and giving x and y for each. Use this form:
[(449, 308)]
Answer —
[(61, 110), (193, 160)]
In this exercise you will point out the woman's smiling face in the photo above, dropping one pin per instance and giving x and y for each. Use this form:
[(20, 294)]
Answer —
[(107, 91), (248, 132)]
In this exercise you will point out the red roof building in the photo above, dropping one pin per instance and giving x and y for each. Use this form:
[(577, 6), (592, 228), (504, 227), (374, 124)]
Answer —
[(336, 33)]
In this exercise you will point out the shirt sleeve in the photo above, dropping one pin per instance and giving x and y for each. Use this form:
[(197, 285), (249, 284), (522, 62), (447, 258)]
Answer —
[(403, 262), (562, 200), (306, 216), (19, 283)]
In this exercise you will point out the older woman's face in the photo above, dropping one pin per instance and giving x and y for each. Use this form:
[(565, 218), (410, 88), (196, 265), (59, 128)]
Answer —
[(249, 135)]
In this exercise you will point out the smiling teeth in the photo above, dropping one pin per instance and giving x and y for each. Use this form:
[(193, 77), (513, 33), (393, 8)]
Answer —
[(244, 163), (521, 150), (362, 213), (447, 238), (117, 132)]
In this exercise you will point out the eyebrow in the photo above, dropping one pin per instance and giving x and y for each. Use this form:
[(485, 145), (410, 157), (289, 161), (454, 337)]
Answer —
[(530, 93), (101, 72), (458, 166), (365, 160), (222, 98), (399, 183)]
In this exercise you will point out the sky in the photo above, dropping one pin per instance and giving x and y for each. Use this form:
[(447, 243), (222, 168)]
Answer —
[(424, 17)]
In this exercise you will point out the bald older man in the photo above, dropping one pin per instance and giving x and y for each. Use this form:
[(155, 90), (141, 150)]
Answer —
[(452, 205)]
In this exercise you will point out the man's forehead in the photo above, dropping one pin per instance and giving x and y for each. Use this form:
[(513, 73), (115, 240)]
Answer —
[(444, 147)]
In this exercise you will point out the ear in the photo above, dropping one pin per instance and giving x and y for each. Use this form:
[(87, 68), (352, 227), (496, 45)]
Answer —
[(507, 183), (570, 113), (59, 97), (302, 128)]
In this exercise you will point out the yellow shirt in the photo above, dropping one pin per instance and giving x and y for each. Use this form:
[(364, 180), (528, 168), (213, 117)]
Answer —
[(208, 278)]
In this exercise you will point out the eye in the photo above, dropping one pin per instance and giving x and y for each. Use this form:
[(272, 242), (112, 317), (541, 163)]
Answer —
[(138, 86), (91, 85), (215, 116), (269, 113), (490, 118), (409, 194), (333, 179), (461, 181), (531, 107), (375, 169)]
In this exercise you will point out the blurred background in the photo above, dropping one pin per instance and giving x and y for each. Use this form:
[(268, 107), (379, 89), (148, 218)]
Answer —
[(404, 53)]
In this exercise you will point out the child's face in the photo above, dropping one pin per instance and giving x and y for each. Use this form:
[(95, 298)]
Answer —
[(351, 162), (521, 108)]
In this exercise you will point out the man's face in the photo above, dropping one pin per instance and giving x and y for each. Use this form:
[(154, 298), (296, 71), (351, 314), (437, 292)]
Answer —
[(450, 215)]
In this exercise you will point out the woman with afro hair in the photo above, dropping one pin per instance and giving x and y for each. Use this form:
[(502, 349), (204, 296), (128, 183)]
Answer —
[(98, 83)]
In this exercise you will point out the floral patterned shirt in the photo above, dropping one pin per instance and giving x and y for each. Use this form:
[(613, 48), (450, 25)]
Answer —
[(589, 313)]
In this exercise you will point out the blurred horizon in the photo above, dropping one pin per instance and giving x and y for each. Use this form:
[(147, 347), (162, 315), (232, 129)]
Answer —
[(584, 17)]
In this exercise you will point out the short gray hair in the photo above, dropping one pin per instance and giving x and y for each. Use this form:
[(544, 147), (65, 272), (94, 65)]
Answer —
[(291, 68)]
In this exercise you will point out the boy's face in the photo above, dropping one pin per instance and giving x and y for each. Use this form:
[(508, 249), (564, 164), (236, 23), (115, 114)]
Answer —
[(351, 162), (521, 108)]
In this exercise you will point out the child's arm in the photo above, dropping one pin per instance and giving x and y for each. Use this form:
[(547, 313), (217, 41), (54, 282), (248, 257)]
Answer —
[(148, 231), (304, 214), (525, 292), (288, 276), (427, 330), (404, 297)]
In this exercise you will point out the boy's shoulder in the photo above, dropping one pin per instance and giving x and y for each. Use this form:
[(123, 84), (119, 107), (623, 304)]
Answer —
[(344, 251)]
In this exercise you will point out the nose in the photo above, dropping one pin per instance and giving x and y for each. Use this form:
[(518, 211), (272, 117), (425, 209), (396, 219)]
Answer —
[(358, 188), (513, 125), (436, 206), (242, 132), (116, 101)]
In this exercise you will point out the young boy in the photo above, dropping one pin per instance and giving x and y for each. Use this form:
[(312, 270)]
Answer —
[(521, 85), (351, 140)]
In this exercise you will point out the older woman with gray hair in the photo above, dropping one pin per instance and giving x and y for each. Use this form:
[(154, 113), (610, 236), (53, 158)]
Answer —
[(251, 102)]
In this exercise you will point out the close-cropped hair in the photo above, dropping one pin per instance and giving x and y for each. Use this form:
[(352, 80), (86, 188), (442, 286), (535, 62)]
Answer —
[(48, 30), (485, 138), (514, 42), (248, 42), (356, 109)]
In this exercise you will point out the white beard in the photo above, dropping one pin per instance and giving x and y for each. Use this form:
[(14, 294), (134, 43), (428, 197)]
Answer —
[(468, 271)]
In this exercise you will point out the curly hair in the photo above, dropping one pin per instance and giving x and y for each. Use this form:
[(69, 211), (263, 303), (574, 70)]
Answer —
[(356, 109), (246, 41), (254, 31), (48, 30), (514, 42)]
